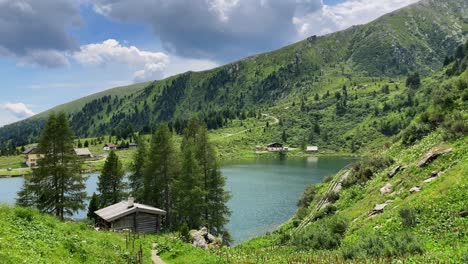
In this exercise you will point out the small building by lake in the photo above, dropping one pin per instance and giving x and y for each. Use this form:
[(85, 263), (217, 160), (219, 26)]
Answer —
[(133, 216), (110, 146), (32, 156), (272, 147), (83, 153), (312, 149)]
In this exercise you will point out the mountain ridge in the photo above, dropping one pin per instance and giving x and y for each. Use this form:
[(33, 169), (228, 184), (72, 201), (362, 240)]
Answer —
[(383, 48)]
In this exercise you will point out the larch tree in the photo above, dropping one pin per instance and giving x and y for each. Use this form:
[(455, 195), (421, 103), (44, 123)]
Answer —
[(136, 178), (188, 187), (110, 185), (216, 213), (161, 168), (56, 186)]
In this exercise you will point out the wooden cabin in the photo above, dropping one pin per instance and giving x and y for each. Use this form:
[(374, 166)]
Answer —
[(32, 156), (275, 147), (108, 147), (133, 216), (312, 149), (83, 153)]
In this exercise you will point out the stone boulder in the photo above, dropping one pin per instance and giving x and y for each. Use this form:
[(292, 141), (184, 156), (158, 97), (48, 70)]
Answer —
[(203, 239), (394, 171), (415, 189), (431, 156), (386, 189)]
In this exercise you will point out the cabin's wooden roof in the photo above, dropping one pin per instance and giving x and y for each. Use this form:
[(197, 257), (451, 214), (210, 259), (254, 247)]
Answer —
[(122, 209), (83, 152)]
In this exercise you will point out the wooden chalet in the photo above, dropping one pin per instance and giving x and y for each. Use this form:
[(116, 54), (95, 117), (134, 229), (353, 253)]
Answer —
[(110, 146), (275, 147), (83, 153), (133, 216), (312, 149), (32, 156)]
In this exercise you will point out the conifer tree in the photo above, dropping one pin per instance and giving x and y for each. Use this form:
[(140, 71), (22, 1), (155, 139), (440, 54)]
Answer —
[(216, 213), (56, 186), (160, 170), (110, 183), (92, 207), (137, 177)]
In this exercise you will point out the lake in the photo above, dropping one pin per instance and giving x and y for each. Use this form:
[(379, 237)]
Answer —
[(264, 191)]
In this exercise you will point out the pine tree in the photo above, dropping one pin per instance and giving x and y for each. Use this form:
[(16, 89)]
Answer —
[(136, 178), (110, 183), (160, 170), (93, 207), (188, 187), (56, 186), (216, 213)]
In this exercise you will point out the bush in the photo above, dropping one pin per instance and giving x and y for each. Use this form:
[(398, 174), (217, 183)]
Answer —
[(414, 133), (185, 233), (332, 197), (365, 169), (307, 197), (372, 245), (408, 217), (326, 234)]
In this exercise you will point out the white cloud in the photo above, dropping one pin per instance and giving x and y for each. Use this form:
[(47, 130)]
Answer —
[(148, 65), (329, 19), (180, 65), (19, 110)]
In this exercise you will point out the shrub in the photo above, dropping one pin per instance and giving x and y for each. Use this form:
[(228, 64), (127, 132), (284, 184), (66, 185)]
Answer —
[(414, 133), (372, 245), (185, 233), (307, 197), (365, 169), (326, 234), (332, 197), (408, 217)]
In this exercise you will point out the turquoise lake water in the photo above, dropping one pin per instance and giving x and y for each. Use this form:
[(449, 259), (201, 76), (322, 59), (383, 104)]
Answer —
[(264, 192)]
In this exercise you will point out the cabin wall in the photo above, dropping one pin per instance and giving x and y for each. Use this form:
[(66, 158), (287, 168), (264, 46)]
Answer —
[(138, 222), (126, 222)]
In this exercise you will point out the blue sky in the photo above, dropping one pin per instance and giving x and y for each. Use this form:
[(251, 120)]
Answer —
[(54, 51)]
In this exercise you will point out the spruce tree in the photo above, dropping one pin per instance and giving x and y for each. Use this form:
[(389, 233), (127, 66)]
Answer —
[(137, 177), (216, 213), (110, 183), (56, 186), (160, 170), (188, 187), (92, 207)]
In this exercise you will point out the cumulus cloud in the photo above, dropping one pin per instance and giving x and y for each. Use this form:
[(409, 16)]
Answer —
[(148, 65), (230, 29), (19, 110), (211, 29), (36, 31), (329, 19)]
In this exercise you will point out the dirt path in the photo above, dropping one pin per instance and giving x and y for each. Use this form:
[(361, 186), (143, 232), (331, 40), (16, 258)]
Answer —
[(154, 256)]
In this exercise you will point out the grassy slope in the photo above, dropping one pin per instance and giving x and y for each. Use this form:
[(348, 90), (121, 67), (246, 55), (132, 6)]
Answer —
[(76, 105), (29, 237)]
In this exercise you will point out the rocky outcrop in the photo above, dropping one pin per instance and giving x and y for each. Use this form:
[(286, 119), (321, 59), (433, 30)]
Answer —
[(379, 208), (395, 170), (386, 189), (203, 239), (431, 156), (415, 189)]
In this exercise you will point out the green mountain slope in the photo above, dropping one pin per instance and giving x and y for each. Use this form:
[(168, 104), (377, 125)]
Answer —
[(416, 38)]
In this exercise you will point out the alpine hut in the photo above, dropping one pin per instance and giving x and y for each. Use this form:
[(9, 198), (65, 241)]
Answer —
[(133, 216)]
